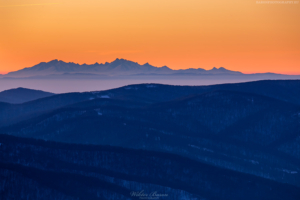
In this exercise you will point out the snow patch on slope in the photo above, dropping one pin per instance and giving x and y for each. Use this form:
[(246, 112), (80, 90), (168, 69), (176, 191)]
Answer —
[(204, 149), (105, 97)]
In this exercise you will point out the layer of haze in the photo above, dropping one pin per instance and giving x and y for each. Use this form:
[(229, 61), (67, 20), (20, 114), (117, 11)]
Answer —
[(83, 85), (238, 35)]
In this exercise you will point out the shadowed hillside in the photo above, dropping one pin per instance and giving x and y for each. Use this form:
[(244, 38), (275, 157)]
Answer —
[(21, 95), (234, 132), (287, 90), (46, 170)]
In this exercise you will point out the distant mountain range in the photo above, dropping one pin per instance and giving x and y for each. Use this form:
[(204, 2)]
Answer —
[(120, 67)]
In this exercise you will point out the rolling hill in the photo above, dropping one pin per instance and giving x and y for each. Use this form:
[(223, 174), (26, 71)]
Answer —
[(224, 141), (143, 94), (22, 95), (245, 132)]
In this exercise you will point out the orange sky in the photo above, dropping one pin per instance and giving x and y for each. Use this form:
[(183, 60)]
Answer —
[(239, 35)]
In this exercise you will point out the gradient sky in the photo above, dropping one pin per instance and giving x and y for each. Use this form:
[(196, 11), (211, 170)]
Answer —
[(239, 35)]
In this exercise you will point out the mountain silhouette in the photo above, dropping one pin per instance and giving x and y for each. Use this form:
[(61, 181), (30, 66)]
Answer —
[(116, 67)]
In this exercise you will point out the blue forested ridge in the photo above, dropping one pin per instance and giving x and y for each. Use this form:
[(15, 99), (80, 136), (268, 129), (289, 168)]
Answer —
[(228, 141)]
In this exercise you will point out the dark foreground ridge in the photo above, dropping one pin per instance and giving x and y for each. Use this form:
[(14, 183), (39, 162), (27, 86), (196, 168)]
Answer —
[(38, 169)]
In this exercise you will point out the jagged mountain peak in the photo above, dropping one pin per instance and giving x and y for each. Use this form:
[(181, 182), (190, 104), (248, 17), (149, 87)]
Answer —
[(122, 61), (119, 66), (220, 68)]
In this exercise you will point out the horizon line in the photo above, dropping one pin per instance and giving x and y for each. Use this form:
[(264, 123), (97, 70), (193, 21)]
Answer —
[(246, 73)]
